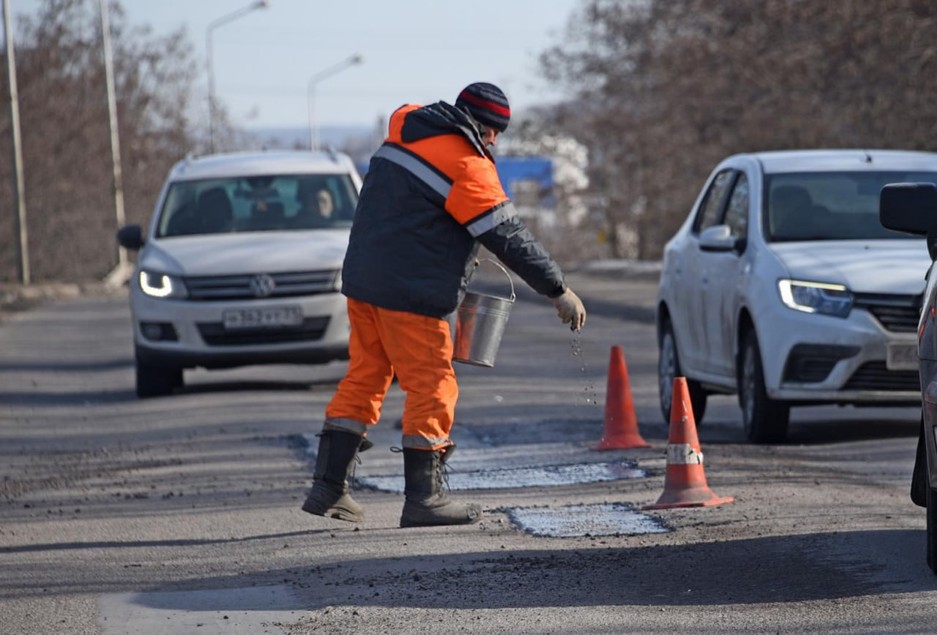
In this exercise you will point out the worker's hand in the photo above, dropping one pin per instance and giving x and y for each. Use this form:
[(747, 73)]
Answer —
[(570, 309)]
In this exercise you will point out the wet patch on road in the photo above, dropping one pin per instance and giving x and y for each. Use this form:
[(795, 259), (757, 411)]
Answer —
[(575, 521), (519, 477)]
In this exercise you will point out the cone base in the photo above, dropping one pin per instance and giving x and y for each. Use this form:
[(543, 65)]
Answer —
[(710, 502), (621, 443)]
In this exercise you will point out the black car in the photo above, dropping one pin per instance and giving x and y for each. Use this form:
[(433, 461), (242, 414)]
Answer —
[(912, 208)]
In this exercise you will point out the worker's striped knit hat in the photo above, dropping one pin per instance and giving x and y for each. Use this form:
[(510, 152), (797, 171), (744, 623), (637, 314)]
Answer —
[(487, 104)]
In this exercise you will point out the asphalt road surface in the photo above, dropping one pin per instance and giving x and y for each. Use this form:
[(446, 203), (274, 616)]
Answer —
[(181, 514)]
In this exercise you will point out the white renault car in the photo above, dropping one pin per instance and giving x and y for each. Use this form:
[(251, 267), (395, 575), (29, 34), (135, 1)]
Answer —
[(783, 287), (241, 264)]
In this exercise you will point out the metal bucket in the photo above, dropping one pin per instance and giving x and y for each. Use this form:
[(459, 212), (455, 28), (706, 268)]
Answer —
[(479, 325)]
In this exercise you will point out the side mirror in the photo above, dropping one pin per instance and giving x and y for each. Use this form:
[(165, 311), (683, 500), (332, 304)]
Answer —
[(130, 237), (718, 238), (909, 207)]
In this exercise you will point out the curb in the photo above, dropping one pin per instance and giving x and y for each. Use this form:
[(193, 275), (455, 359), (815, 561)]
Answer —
[(15, 298)]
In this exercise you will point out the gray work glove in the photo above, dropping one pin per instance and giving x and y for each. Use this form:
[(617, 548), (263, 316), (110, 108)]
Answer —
[(570, 309)]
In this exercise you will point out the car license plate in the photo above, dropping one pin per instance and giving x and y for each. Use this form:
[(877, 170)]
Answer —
[(268, 317), (901, 357)]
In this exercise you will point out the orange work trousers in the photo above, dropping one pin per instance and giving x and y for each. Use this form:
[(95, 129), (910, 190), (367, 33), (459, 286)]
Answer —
[(418, 349)]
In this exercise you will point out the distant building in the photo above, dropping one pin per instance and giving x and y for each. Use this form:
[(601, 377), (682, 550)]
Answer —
[(528, 180)]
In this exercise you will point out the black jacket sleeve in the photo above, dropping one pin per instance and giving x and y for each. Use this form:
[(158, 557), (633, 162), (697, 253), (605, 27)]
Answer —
[(523, 254)]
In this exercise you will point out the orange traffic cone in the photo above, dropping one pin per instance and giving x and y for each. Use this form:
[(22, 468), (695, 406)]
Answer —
[(621, 425), (685, 482)]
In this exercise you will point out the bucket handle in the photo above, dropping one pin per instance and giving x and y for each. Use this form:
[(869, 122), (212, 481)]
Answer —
[(507, 275)]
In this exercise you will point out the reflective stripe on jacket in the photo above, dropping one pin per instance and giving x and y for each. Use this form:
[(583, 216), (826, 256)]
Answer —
[(430, 192)]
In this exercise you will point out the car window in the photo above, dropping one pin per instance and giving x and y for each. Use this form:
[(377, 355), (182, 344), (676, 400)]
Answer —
[(258, 203), (830, 205), (737, 211), (710, 212)]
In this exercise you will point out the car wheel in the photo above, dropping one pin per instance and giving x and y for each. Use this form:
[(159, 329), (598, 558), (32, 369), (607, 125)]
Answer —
[(765, 420), (932, 529), (156, 381), (668, 367)]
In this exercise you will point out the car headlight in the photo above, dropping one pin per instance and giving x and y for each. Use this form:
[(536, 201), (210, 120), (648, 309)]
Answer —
[(161, 285), (816, 297)]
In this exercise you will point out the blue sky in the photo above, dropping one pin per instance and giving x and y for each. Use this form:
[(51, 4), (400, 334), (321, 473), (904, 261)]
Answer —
[(416, 51)]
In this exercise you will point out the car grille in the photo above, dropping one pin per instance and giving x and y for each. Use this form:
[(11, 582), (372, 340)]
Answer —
[(897, 313), (312, 329), (875, 376), (285, 285)]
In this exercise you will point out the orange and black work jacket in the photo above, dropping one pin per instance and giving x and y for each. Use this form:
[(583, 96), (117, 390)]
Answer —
[(430, 196)]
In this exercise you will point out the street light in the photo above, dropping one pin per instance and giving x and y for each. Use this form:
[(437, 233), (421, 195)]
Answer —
[(357, 58), (258, 4)]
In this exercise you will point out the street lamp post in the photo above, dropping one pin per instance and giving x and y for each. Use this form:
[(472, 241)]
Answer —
[(257, 4), (122, 271), (19, 187), (357, 58)]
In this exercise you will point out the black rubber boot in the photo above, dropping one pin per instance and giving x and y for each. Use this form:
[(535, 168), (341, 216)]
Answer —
[(329, 496), (428, 501)]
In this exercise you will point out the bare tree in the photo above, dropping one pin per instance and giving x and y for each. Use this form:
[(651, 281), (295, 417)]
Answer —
[(667, 88), (63, 103)]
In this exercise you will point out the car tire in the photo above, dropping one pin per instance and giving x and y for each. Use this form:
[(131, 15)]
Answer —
[(932, 529), (157, 381), (668, 367), (764, 419)]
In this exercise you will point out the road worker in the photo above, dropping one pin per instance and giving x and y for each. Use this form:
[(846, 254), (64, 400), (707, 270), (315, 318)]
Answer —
[(430, 198)]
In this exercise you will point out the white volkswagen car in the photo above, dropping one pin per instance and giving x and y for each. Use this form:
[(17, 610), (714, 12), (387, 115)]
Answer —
[(783, 287), (241, 264)]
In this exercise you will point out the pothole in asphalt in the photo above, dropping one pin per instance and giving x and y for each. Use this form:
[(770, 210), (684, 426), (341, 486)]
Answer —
[(574, 521), (537, 476)]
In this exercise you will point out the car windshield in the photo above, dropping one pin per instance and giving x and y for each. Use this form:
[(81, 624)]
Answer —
[(258, 203), (831, 205)]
